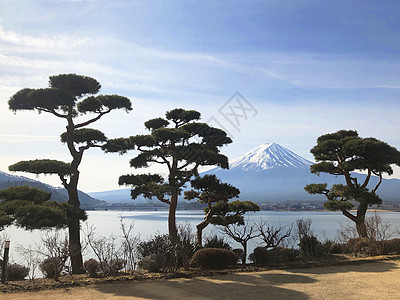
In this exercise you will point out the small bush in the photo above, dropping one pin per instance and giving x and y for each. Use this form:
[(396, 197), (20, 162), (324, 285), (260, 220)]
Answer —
[(363, 246), (156, 254), (276, 255), (91, 266), (213, 258), (391, 246), (153, 263), (283, 255), (260, 256), (115, 265), (217, 242), (310, 246), (51, 267), (17, 272)]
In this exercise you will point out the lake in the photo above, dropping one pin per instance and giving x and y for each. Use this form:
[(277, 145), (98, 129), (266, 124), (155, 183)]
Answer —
[(325, 224)]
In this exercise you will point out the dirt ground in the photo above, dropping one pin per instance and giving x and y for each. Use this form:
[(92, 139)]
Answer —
[(379, 280)]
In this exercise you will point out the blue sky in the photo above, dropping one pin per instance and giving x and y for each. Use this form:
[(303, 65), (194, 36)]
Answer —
[(306, 67)]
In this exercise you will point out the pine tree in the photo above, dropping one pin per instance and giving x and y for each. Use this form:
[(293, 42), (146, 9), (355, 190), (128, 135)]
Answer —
[(181, 144), (219, 211), (341, 154), (69, 96)]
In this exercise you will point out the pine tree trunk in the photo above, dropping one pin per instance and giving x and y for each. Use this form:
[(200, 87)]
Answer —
[(75, 248), (172, 230), (362, 229), (360, 222), (199, 232), (244, 255)]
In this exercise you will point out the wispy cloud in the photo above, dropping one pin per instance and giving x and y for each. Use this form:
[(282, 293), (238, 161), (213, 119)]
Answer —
[(43, 42)]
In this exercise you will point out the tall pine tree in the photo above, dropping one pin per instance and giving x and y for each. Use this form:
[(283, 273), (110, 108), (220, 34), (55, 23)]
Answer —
[(68, 97), (181, 144)]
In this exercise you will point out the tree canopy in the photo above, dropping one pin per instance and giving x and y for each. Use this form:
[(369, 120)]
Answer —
[(341, 154), (69, 96), (181, 144), (30, 208), (219, 211)]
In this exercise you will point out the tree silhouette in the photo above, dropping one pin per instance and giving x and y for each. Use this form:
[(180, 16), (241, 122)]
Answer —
[(30, 208), (177, 142), (69, 96), (342, 153), (219, 211)]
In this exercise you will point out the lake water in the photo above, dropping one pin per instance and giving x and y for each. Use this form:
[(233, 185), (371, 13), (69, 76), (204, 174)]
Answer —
[(325, 224)]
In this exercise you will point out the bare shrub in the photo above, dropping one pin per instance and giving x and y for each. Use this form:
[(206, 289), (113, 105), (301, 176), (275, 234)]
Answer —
[(55, 247), (378, 233), (30, 257), (107, 252), (242, 234), (273, 236), (129, 245)]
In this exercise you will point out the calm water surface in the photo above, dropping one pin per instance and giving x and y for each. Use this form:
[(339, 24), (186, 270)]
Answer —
[(146, 223)]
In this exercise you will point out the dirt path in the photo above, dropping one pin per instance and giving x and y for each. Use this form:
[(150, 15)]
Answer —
[(367, 281)]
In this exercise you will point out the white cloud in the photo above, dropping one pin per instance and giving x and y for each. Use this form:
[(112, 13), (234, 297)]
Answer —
[(43, 42)]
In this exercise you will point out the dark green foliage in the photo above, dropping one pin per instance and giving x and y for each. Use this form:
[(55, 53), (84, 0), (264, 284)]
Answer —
[(210, 189), (65, 99), (310, 246), (75, 85), (17, 272), (216, 242), (104, 102), (26, 193), (91, 266), (159, 254), (85, 135), (29, 208), (213, 258), (41, 99), (179, 143), (277, 255), (226, 213), (156, 123), (41, 166), (156, 254), (342, 153)]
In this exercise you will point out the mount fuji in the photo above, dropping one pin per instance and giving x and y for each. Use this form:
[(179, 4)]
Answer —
[(268, 173), (271, 172)]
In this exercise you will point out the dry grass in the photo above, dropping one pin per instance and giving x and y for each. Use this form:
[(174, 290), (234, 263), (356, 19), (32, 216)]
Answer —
[(342, 276)]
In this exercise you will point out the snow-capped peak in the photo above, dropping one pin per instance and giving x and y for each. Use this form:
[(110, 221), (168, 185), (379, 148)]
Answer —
[(268, 156)]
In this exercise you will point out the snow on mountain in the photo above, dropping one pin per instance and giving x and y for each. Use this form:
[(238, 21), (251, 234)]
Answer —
[(271, 172), (268, 156)]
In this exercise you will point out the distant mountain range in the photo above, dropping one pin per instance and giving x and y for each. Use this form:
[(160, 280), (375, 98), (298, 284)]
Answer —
[(269, 172), (57, 194)]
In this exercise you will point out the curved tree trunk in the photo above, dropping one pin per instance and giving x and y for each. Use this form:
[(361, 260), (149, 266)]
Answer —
[(199, 232), (362, 230), (75, 248), (360, 222), (172, 230)]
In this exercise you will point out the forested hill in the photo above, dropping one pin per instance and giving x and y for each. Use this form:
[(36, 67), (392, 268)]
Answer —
[(57, 194)]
